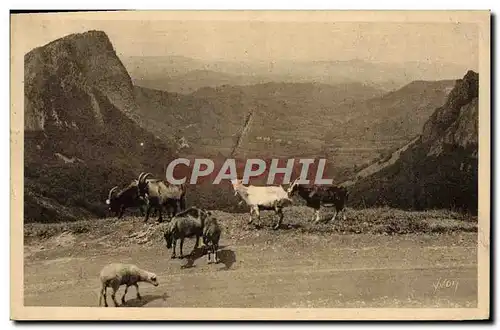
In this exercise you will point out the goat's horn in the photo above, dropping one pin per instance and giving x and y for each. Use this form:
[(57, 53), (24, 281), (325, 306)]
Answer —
[(140, 176), (143, 176), (111, 192)]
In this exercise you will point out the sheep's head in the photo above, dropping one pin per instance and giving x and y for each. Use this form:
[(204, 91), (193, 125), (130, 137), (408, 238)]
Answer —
[(152, 278)]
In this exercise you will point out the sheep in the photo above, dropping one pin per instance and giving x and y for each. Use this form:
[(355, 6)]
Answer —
[(263, 198), (211, 236), (117, 274), (185, 224)]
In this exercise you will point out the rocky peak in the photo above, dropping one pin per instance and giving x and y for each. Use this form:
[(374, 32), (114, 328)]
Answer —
[(63, 77), (464, 92)]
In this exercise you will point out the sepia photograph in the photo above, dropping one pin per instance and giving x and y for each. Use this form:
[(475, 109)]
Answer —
[(170, 165)]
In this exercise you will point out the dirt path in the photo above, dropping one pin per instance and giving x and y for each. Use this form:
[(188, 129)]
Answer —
[(317, 271)]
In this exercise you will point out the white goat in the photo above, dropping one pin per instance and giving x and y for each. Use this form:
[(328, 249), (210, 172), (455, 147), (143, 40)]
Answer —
[(116, 274), (263, 198)]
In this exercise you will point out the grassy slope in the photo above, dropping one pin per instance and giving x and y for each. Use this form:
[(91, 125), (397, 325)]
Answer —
[(369, 221)]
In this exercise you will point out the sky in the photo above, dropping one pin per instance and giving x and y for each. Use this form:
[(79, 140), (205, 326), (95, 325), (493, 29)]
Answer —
[(271, 41)]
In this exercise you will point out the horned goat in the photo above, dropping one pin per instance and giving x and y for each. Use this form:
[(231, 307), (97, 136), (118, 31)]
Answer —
[(128, 197), (321, 195), (160, 193)]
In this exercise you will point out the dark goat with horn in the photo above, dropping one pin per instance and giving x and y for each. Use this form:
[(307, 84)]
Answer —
[(160, 193), (128, 197), (321, 195)]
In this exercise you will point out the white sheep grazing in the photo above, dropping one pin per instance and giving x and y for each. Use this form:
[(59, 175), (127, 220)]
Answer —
[(117, 274), (263, 198)]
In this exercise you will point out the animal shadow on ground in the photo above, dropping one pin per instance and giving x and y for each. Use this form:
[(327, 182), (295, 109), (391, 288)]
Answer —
[(227, 257), (197, 254), (192, 257), (287, 226), (146, 299)]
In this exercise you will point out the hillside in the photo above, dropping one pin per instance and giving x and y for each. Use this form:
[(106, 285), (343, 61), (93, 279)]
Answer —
[(293, 120), (399, 115), (440, 169), (81, 136), (210, 118)]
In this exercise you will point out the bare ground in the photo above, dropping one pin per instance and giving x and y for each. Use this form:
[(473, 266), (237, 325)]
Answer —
[(298, 267)]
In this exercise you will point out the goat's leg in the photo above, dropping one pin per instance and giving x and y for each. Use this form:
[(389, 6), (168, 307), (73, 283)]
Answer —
[(257, 213), (313, 215), (174, 245), (251, 216), (122, 208), (209, 255), (148, 210), (181, 244), (334, 215), (124, 294), (160, 216), (316, 214), (279, 213), (215, 248), (343, 214), (196, 245)]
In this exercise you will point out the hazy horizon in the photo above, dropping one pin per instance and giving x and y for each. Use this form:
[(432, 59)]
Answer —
[(262, 41)]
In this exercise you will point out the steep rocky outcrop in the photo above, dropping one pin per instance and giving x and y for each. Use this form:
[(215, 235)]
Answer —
[(440, 169), (81, 136)]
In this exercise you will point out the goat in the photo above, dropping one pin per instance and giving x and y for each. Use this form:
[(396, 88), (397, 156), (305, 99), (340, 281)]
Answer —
[(116, 274), (211, 237), (160, 194), (317, 196), (263, 199), (126, 198), (185, 224)]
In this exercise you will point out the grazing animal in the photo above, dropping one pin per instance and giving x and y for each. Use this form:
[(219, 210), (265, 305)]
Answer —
[(128, 197), (117, 274), (319, 195), (161, 194), (211, 237), (263, 199), (186, 224)]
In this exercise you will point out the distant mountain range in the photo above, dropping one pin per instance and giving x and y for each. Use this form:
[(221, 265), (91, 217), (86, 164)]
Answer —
[(184, 75), (349, 123)]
